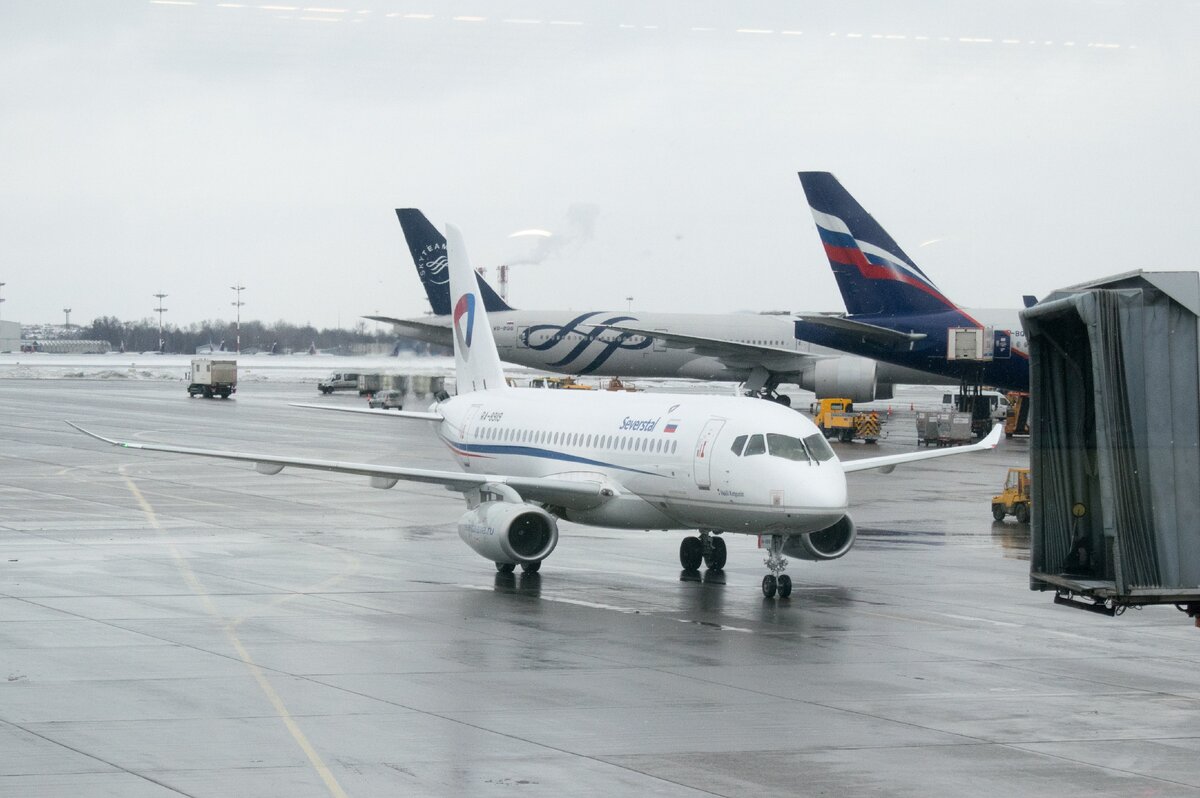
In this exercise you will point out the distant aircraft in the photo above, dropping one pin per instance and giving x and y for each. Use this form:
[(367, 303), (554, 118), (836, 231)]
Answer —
[(895, 313), (633, 461), (760, 351)]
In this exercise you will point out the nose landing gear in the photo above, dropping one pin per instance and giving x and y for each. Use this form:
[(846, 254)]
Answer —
[(776, 582)]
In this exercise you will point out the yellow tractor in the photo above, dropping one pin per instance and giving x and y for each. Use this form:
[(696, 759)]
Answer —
[(1015, 498), (837, 419)]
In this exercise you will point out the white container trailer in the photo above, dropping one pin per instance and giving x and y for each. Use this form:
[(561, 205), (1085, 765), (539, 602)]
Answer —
[(210, 377)]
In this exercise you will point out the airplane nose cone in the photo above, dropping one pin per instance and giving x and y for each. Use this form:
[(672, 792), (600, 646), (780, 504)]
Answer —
[(825, 489)]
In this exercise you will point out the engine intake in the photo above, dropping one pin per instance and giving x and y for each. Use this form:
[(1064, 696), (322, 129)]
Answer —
[(825, 544), (509, 532), (849, 377)]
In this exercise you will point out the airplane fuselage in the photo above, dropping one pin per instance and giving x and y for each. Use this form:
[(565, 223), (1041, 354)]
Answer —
[(1007, 370), (586, 344), (668, 458)]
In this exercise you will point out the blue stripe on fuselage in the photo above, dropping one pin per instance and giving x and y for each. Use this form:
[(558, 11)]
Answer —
[(533, 451)]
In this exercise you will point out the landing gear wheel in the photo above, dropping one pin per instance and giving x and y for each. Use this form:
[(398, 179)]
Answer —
[(998, 512), (506, 567), (786, 401), (785, 585), (1021, 511), (769, 586), (691, 553), (715, 558), (531, 567)]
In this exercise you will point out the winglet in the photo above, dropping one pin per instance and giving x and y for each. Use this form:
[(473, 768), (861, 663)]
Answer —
[(993, 438), (887, 463), (94, 435)]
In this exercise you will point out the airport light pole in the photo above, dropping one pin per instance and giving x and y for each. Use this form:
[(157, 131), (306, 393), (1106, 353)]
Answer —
[(238, 289), (161, 310), (2, 298), (67, 311), (629, 299)]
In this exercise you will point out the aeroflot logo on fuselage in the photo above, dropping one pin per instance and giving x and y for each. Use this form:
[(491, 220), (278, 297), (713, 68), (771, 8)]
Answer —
[(639, 424)]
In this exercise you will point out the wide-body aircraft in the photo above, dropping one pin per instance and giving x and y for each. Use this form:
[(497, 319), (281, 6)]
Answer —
[(717, 464), (759, 350), (895, 313)]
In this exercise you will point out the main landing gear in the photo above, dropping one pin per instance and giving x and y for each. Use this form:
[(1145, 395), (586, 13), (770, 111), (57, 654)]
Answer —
[(706, 548), (764, 385), (776, 582), (526, 567)]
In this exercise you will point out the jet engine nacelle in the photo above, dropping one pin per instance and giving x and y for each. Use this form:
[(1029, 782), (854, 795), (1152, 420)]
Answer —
[(509, 532), (826, 544), (849, 377)]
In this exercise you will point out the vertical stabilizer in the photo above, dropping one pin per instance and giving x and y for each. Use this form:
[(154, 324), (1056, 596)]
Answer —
[(477, 363), (876, 277), (428, 249)]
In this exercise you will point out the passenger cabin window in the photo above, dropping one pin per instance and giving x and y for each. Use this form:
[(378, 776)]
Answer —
[(738, 443), (787, 447), (756, 445)]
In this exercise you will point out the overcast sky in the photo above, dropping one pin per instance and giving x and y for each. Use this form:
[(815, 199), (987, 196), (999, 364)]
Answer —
[(183, 147)]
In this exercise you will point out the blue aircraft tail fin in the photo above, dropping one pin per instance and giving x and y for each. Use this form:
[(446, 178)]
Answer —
[(874, 274), (428, 248)]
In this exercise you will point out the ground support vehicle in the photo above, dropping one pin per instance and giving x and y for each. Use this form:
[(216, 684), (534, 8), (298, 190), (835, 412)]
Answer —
[(338, 382), (1017, 420), (566, 383), (1014, 500), (387, 400), (836, 419), (944, 428), (210, 378)]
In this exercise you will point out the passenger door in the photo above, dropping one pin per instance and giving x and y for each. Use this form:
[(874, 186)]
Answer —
[(702, 460)]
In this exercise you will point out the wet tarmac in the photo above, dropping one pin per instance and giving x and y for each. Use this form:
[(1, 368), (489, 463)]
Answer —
[(176, 626)]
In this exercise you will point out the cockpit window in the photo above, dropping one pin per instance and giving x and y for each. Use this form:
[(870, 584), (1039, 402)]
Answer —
[(755, 446), (786, 446), (818, 447), (738, 443)]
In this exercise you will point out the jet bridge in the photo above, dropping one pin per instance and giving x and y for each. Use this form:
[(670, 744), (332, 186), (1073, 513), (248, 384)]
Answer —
[(1115, 442)]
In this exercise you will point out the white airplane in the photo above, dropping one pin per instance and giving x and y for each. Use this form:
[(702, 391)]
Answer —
[(759, 350), (635, 461)]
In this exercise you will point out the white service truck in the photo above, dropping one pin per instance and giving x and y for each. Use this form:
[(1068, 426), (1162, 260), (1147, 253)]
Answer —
[(209, 378)]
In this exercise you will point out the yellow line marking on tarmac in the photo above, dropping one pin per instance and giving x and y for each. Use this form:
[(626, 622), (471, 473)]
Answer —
[(189, 576)]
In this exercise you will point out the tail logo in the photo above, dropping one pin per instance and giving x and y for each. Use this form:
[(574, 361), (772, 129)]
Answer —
[(464, 321), (432, 264)]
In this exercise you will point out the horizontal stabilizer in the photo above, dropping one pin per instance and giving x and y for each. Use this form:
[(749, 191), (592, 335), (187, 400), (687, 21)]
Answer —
[(862, 330), (429, 332)]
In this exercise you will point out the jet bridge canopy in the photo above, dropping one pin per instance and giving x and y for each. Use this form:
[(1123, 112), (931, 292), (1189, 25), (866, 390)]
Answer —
[(1115, 441)]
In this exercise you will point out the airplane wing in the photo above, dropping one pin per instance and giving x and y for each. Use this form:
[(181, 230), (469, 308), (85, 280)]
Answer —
[(582, 495), (861, 330), (411, 415), (421, 330), (732, 353), (890, 461)]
